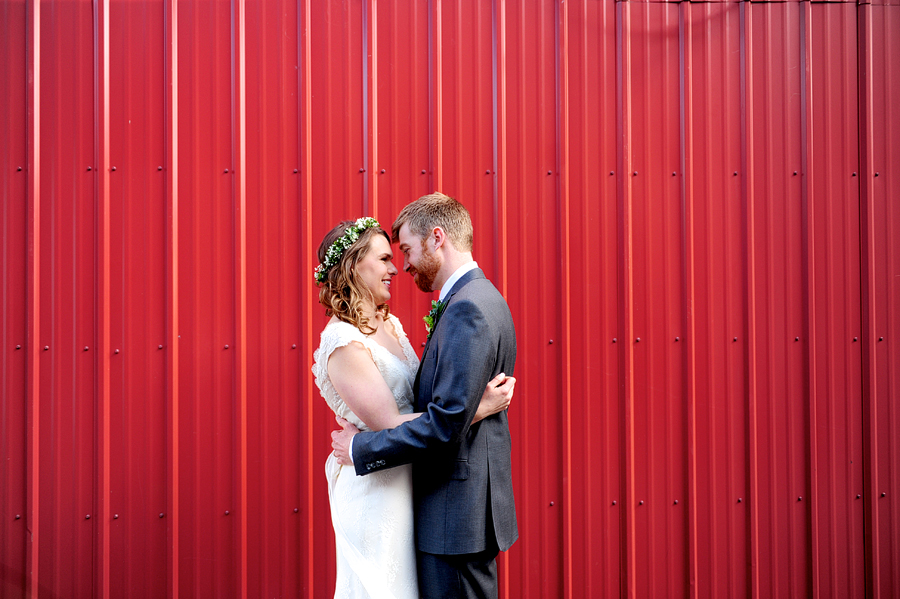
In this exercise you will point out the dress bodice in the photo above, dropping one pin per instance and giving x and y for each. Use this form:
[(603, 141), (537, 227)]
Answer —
[(398, 374)]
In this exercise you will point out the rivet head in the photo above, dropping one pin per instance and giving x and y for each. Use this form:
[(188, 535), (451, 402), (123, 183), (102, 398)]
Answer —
[(46, 348), (638, 340), (854, 174), (876, 174), (884, 494), (296, 510), (881, 338), (551, 504), (18, 347), (18, 516), (159, 347), (673, 173), (550, 342), (294, 346), (226, 170), (676, 502), (87, 517), (90, 168), (611, 173), (362, 170), (382, 171), (115, 516), (641, 502), (162, 515), (423, 171), (614, 339), (677, 338), (740, 499), (855, 339), (423, 344), (296, 170), (549, 172), (19, 168), (614, 502), (487, 172), (226, 347), (735, 173), (799, 499), (113, 168), (159, 168), (635, 173), (858, 495), (735, 339), (795, 173), (796, 338), (115, 352), (86, 348), (227, 512)]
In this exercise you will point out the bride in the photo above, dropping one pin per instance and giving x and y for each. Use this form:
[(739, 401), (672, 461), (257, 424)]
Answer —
[(365, 368)]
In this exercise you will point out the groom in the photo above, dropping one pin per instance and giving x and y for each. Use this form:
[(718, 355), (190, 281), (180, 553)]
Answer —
[(462, 478)]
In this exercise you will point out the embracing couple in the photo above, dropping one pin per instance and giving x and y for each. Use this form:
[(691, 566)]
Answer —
[(420, 481)]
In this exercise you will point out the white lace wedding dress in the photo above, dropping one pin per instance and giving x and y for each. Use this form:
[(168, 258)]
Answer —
[(372, 515)]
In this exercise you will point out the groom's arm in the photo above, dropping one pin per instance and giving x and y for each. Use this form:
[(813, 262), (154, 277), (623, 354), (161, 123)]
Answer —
[(459, 362)]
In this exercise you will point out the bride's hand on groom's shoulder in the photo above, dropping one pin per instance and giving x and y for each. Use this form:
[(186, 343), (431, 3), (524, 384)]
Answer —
[(340, 441)]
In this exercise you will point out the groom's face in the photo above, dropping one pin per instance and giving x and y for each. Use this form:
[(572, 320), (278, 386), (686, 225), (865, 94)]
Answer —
[(418, 259)]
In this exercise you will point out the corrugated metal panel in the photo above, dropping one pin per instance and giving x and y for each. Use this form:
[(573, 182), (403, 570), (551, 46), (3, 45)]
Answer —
[(831, 223), (15, 216), (655, 443), (589, 261), (879, 52), (714, 179), (777, 336), (528, 195), (715, 336)]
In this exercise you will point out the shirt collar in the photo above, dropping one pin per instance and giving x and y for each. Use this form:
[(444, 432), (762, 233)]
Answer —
[(445, 290)]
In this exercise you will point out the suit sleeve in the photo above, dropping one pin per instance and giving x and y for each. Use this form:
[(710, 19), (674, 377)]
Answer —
[(458, 365)]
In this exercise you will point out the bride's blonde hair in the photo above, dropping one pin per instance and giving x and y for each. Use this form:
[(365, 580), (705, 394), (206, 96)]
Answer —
[(343, 293)]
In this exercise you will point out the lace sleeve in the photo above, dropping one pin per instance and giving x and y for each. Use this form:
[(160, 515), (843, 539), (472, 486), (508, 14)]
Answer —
[(334, 336)]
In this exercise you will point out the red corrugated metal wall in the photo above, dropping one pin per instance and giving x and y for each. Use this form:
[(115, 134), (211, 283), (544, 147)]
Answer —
[(692, 208)]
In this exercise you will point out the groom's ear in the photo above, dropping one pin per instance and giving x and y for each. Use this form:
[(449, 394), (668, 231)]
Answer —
[(440, 238)]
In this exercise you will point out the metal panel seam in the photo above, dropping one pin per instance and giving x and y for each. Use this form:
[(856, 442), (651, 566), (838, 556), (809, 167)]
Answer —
[(172, 298), (33, 294), (808, 277), (750, 326), (867, 283), (626, 315), (102, 301), (304, 34), (562, 183), (688, 294), (239, 189)]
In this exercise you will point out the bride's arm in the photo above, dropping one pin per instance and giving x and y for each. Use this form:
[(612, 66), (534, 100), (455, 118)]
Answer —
[(359, 383)]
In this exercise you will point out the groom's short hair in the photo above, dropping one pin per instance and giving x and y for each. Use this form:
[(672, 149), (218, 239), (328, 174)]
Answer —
[(436, 210)]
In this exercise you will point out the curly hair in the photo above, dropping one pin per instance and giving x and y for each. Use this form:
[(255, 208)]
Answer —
[(343, 293)]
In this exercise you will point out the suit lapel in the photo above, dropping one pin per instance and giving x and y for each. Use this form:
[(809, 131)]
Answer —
[(475, 273)]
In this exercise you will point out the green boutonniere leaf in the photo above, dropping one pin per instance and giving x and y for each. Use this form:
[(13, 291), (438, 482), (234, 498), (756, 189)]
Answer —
[(437, 308)]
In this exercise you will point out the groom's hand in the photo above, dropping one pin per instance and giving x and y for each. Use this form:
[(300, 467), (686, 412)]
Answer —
[(340, 441)]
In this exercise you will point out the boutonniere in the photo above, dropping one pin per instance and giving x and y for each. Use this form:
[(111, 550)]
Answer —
[(437, 308)]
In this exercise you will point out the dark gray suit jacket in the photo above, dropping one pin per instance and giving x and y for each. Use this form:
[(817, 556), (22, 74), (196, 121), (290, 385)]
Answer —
[(462, 476)]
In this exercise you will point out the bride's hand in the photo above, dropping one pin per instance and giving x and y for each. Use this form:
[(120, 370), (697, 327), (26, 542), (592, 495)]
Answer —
[(497, 396)]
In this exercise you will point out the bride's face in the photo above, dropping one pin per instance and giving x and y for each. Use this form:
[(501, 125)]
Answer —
[(376, 269)]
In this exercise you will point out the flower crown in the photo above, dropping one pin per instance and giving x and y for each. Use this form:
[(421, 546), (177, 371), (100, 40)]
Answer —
[(341, 244)]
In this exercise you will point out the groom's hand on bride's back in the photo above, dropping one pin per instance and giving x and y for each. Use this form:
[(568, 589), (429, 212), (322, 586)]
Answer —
[(340, 441)]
